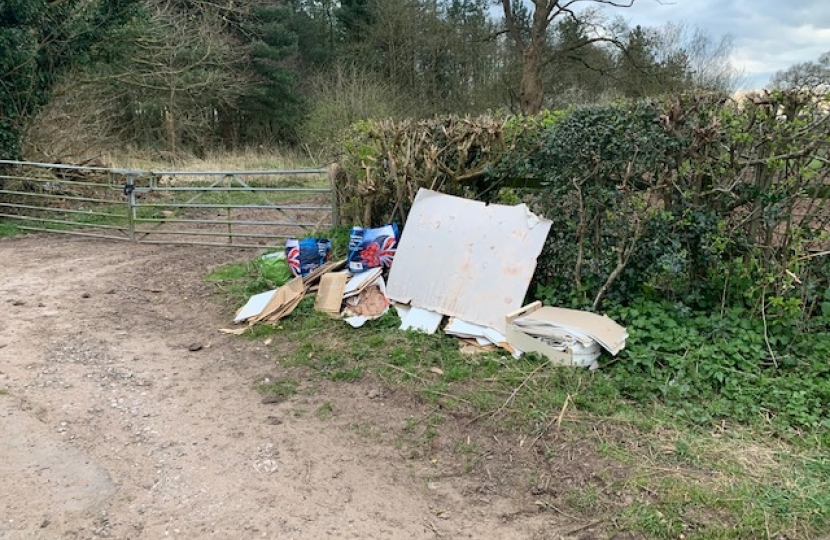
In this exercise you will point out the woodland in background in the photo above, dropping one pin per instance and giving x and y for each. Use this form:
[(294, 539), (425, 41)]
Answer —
[(188, 76)]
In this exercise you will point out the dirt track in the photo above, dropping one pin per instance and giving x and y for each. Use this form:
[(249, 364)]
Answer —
[(111, 427)]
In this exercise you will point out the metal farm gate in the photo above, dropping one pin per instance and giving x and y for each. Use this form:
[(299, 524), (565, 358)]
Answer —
[(252, 209)]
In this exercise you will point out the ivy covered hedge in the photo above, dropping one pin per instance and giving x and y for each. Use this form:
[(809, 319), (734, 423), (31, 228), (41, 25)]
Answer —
[(699, 199), (700, 223)]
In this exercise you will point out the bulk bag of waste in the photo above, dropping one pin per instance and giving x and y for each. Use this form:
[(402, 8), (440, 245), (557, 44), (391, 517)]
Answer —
[(306, 255), (372, 248)]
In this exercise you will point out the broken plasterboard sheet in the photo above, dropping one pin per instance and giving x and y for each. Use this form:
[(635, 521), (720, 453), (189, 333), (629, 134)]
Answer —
[(402, 309), (421, 319), (464, 329), (358, 282), (466, 259), (467, 330), (330, 296), (254, 306), (481, 335), (500, 340), (461, 328)]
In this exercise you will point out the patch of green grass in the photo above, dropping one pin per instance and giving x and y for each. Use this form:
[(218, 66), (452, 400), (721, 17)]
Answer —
[(467, 447), (583, 500), (238, 281), (260, 331), (9, 229), (325, 411), (279, 387), (367, 430), (81, 223), (705, 487), (231, 272), (3, 392), (352, 374), (693, 486), (238, 197)]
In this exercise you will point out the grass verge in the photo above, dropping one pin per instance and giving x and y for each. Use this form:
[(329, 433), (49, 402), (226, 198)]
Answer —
[(584, 451)]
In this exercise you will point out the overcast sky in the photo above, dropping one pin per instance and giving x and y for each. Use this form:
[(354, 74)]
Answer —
[(768, 35)]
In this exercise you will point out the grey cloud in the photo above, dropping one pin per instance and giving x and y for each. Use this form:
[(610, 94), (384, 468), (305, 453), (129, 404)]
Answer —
[(769, 35)]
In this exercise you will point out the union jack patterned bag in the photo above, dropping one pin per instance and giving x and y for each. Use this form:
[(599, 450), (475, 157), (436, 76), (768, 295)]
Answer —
[(306, 255), (372, 248)]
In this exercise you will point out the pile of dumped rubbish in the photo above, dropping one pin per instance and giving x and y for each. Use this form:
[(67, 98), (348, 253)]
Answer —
[(457, 260)]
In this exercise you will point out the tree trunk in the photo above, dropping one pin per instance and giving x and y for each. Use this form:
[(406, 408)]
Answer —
[(531, 93), (170, 128)]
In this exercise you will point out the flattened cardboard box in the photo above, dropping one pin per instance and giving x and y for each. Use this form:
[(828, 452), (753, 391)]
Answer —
[(610, 335)]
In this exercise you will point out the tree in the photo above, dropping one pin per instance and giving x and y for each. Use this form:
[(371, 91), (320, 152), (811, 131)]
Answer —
[(272, 108), (469, 68), (529, 32), (39, 40), (653, 62), (811, 76), (354, 16), (696, 60), (318, 42), (177, 66), (637, 64), (577, 72), (439, 53)]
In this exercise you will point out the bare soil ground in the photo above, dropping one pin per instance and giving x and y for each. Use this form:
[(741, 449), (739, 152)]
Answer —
[(111, 426)]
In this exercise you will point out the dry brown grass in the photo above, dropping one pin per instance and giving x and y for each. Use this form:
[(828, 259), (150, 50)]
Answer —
[(248, 159)]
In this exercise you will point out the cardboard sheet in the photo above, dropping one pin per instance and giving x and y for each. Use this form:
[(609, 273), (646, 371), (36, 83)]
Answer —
[(283, 311), (583, 326), (330, 296), (233, 331), (317, 274), (471, 347), (283, 302), (465, 259)]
